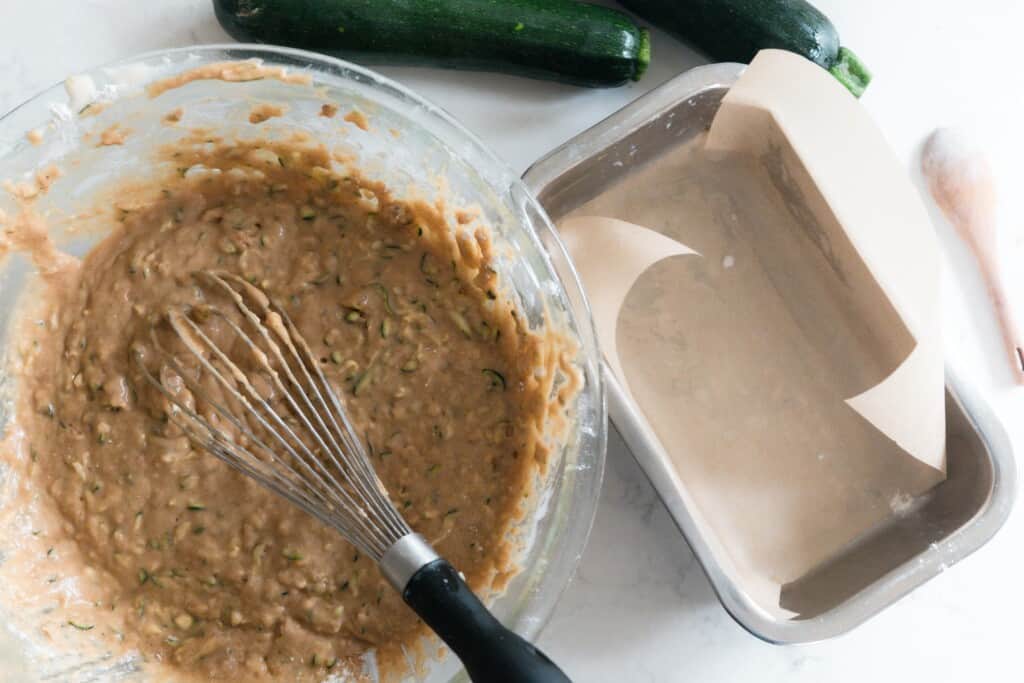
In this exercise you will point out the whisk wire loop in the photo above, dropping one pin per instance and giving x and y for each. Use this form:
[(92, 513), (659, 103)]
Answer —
[(314, 457), (363, 475)]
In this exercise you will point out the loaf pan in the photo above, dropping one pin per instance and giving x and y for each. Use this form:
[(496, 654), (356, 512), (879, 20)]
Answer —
[(948, 524)]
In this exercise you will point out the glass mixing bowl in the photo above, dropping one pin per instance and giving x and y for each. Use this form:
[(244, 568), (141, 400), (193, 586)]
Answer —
[(411, 145)]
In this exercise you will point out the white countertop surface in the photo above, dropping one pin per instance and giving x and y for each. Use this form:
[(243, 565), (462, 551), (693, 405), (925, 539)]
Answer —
[(640, 608)]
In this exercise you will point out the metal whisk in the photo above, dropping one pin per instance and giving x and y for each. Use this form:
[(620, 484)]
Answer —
[(303, 447)]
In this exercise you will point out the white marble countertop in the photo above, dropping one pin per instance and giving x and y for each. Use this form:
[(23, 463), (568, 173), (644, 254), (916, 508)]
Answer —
[(640, 608)]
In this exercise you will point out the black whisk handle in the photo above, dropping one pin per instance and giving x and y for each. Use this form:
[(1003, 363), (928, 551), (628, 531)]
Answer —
[(490, 652)]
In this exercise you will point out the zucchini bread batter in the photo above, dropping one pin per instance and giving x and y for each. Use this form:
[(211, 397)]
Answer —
[(195, 565)]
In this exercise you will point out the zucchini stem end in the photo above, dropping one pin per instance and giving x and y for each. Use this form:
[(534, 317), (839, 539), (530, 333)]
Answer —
[(850, 71), (643, 57)]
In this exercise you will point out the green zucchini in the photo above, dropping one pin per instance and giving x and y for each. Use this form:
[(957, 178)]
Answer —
[(559, 40), (734, 31)]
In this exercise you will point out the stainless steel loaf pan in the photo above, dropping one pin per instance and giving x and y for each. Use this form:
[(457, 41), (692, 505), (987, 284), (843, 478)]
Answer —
[(951, 522)]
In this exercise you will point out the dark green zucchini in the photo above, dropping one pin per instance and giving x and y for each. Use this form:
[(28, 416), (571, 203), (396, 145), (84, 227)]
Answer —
[(734, 31), (559, 40)]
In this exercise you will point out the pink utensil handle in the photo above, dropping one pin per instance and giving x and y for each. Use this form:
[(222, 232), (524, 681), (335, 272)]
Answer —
[(1013, 333)]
